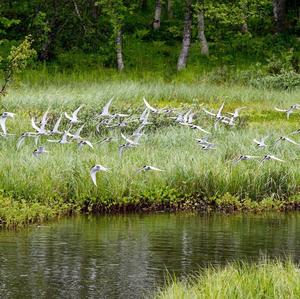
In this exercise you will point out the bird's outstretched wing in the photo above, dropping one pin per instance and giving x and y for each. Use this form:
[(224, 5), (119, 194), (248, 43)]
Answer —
[(149, 106), (155, 168), (277, 159), (56, 126), (208, 112), (105, 109), (280, 110), (3, 125), (76, 111), (128, 140), (93, 175)]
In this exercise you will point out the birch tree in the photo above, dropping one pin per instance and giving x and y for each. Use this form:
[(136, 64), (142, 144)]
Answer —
[(157, 15), (201, 28), (116, 11), (186, 39)]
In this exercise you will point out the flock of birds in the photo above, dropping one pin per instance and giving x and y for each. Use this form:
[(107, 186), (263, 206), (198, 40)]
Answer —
[(114, 120)]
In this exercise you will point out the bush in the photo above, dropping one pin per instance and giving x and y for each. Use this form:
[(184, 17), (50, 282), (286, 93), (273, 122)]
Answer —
[(286, 81)]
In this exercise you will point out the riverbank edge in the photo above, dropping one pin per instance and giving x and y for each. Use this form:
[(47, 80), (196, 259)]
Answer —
[(17, 214), (264, 279)]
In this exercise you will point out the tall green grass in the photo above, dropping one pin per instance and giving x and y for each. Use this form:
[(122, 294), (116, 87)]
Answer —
[(239, 280), (63, 174)]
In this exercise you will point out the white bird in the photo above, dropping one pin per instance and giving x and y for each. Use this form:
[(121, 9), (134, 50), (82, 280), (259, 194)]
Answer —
[(203, 140), (94, 171), (105, 110), (144, 114), (3, 119), (270, 157), (288, 111), (178, 118), (40, 130), (244, 158), (284, 138), (145, 121), (208, 112), (74, 117), (236, 112), (186, 116), (208, 146), (39, 151), (148, 167), (135, 142), (25, 135), (124, 146), (261, 143), (76, 135), (295, 132), (149, 106), (219, 114), (106, 140), (44, 120), (56, 126), (122, 124), (63, 140), (166, 110), (195, 127), (191, 118), (138, 131), (104, 122), (227, 121), (85, 142)]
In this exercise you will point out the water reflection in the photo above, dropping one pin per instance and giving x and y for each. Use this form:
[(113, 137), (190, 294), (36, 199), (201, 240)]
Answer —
[(127, 256)]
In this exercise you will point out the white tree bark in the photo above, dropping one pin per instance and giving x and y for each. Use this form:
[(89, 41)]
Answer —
[(119, 52), (157, 15), (201, 34), (186, 40)]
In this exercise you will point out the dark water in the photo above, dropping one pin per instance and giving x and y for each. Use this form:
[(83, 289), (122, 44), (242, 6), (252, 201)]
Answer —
[(127, 256)]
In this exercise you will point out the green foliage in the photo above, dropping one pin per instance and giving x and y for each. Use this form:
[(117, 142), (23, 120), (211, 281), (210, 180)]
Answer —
[(6, 23), (285, 80), (16, 61), (19, 56), (117, 11), (40, 30), (287, 61)]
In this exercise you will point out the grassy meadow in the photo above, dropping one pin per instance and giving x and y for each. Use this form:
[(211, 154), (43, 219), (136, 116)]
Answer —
[(239, 280), (193, 178)]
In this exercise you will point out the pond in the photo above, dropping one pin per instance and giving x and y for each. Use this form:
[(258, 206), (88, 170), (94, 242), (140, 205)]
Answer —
[(129, 256)]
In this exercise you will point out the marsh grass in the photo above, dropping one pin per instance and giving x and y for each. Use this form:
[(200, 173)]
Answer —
[(267, 279), (62, 176), (17, 214)]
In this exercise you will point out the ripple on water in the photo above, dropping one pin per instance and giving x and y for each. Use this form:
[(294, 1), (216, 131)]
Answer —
[(128, 256)]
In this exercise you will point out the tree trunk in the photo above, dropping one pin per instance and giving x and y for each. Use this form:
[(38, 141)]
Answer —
[(157, 14), (120, 62), (201, 33), (186, 41), (244, 27), (170, 9), (279, 14)]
